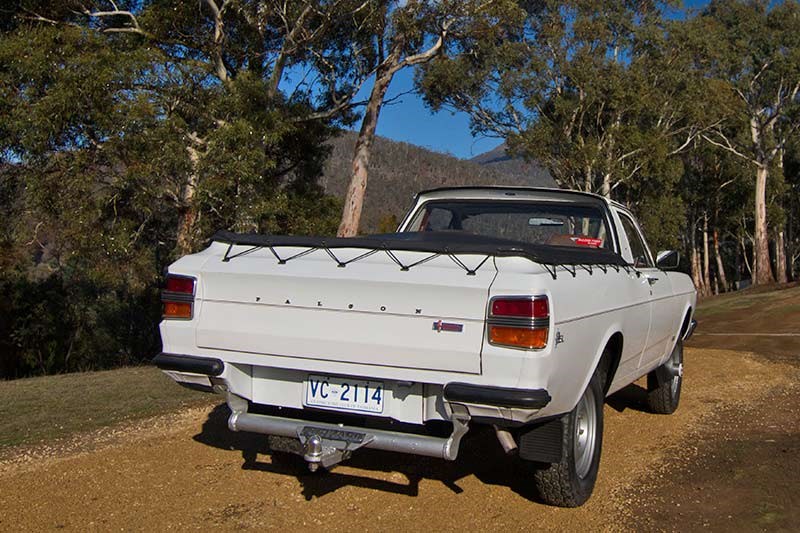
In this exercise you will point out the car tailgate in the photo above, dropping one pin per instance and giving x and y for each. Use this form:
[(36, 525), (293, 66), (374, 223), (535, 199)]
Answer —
[(371, 312)]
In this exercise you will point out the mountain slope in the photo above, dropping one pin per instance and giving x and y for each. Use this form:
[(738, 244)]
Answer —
[(498, 158), (399, 170)]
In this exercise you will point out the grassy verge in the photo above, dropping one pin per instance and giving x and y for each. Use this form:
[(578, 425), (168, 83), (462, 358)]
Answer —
[(736, 320), (41, 409), (787, 295)]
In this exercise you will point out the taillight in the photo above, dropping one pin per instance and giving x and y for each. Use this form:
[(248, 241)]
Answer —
[(178, 297), (526, 308), (519, 321)]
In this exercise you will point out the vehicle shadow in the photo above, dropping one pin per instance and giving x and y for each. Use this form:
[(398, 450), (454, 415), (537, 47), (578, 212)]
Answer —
[(480, 456), (631, 397)]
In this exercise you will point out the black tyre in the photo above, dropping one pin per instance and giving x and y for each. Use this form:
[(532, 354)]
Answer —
[(570, 482), (665, 382)]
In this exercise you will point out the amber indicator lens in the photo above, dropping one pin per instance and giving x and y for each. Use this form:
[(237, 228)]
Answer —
[(521, 307), (531, 339), (177, 310)]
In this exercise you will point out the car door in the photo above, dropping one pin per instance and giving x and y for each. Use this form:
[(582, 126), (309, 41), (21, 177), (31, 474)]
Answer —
[(636, 317), (660, 333)]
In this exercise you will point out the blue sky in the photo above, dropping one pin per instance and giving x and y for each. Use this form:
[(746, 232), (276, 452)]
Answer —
[(409, 120)]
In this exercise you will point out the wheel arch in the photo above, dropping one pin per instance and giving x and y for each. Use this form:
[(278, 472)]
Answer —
[(610, 358), (687, 318)]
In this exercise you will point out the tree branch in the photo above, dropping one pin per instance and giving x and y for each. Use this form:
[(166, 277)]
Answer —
[(728, 146), (220, 69), (133, 22), (290, 39)]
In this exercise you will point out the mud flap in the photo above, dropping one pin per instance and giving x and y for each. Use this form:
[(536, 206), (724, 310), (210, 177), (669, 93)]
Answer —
[(542, 442)]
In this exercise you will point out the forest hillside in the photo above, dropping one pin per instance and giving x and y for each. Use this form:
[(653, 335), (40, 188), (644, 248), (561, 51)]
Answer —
[(399, 170)]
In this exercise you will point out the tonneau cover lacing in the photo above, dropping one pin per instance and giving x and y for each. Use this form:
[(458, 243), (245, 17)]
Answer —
[(449, 245)]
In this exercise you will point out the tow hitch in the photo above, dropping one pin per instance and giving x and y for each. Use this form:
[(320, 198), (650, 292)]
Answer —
[(326, 445)]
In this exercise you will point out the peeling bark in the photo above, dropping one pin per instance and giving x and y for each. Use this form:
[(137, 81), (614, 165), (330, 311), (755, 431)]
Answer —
[(744, 256), (356, 190), (706, 262), (762, 271), (606, 189), (696, 271), (723, 279), (780, 257), (188, 210), (354, 200)]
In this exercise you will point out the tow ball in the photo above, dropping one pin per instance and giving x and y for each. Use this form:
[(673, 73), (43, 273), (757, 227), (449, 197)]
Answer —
[(321, 447)]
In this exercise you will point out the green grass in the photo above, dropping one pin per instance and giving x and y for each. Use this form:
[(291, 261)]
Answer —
[(748, 298), (35, 410), (42, 409)]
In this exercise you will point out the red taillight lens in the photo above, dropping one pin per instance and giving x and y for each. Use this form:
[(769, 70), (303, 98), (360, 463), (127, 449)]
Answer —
[(181, 284), (178, 297), (536, 307)]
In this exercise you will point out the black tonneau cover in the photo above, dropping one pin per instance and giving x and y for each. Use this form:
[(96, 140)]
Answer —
[(442, 242)]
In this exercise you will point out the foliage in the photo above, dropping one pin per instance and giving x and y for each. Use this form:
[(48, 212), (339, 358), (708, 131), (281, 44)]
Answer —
[(128, 138), (130, 131), (620, 99), (596, 91), (405, 34), (388, 223), (752, 52)]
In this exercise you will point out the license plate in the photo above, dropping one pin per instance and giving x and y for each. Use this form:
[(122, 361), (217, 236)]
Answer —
[(344, 394)]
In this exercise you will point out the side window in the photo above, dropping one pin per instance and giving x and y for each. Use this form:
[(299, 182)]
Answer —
[(438, 220), (431, 218), (641, 258)]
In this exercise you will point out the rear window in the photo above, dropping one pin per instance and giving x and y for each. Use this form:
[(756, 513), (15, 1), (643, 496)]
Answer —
[(535, 223)]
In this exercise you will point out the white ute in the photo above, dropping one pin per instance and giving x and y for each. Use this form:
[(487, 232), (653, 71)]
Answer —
[(517, 308)]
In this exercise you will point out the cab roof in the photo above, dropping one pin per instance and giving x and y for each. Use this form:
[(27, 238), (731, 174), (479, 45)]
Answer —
[(509, 192)]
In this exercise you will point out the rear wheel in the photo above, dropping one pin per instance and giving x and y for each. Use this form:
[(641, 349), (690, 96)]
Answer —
[(570, 482), (665, 382)]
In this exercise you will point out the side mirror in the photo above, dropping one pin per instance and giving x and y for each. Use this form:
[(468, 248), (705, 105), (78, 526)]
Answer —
[(668, 259)]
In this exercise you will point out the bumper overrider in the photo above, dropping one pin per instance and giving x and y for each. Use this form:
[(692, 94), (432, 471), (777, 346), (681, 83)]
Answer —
[(325, 444)]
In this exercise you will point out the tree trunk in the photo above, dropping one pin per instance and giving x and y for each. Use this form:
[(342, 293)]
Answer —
[(706, 262), (723, 279), (354, 200), (762, 268), (606, 190), (187, 208), (780, 257), (697, 272), (588, 186), (789, 237), (744, 256)]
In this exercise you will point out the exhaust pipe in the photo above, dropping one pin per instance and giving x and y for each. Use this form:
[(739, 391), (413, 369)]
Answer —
[(506, 440)]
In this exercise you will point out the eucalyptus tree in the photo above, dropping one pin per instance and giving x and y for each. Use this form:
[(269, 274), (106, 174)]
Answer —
[(598, 91), (753, 56), (792, 174), (235, 97), (130, 130), (405, 34)]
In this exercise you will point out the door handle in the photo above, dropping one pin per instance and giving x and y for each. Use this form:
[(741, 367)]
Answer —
[(651, 280)]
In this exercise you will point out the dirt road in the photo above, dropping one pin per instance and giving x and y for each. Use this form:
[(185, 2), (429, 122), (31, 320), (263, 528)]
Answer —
[(699, 468)]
